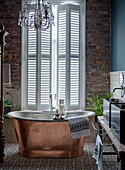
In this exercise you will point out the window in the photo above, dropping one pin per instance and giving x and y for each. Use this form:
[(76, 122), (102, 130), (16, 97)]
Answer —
[(53, 62)]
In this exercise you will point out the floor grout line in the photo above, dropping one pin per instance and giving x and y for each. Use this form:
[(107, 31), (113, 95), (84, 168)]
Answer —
[(12, 161)]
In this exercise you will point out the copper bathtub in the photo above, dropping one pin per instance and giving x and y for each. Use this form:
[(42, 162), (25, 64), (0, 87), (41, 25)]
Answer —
[(39, 135)]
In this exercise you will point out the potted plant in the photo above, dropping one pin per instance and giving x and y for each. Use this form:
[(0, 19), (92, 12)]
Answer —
[(95, 103), (7, 107)]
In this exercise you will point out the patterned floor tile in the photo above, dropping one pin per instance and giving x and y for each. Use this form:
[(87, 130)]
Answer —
[(12, 161)]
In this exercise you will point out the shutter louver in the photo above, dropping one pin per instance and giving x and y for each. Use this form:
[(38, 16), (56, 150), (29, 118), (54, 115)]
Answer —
[(61, 55), (31, 82), (74, 58), (62, 32), (31, 40), (45, 67), (74, 32), (74, 81), (61, 78), (45, 42)]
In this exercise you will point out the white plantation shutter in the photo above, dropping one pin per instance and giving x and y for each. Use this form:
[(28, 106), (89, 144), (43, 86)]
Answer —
[(69, 55), (45, 68), (31, 67), (61, 67), (39, 64), (74, 56), (39, 69)]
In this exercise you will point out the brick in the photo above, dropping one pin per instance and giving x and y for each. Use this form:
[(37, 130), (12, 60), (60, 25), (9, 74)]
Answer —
[(98, 48)]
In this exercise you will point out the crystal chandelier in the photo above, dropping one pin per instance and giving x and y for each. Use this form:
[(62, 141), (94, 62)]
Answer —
[(36, 16)]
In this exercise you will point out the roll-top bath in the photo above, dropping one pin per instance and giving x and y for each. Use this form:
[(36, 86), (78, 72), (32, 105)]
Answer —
[(39, 135)]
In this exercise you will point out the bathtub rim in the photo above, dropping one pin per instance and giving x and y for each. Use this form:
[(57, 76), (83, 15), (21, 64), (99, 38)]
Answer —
[(10, 115)]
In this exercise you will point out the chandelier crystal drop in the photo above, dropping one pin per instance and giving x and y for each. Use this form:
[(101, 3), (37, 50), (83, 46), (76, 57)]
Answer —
[(36, 14)]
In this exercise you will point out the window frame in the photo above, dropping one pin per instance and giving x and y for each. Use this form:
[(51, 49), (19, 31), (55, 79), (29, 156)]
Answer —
[(24, 56)]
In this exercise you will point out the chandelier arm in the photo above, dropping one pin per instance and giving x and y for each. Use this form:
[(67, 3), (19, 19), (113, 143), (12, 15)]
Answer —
[(41, 17)]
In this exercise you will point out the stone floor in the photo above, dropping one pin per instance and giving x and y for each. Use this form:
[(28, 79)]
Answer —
[(12, 161)]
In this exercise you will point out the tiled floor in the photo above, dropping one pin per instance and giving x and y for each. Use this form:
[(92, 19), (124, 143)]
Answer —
[(12, 161)]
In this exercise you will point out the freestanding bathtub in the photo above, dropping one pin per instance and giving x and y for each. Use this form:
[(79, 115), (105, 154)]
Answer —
[(39, 135)]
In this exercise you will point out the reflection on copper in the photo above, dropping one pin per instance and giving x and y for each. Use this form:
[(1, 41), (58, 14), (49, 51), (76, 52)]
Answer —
[(46, 139)]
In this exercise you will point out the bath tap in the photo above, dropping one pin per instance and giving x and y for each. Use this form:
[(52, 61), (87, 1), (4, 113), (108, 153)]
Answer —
[(122, 88), (51, 103), (115, 89)]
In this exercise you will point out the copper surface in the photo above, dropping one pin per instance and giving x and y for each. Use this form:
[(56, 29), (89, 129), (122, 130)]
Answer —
[(46, 139)]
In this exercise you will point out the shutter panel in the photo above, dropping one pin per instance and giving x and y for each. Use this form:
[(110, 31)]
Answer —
[(39, 68), (61, 60), (45, 68), (69, 55), (74, 56), (31, 82)]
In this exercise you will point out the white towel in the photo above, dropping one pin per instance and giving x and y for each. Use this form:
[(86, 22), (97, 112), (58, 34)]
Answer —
[(98, 152), (79, 126)]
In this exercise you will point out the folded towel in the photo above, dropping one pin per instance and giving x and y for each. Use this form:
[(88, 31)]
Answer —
[(98, 152), (79, 126)]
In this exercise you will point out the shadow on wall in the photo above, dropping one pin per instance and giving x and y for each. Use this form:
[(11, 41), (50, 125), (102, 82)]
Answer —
[(13, 95), (8, 131)]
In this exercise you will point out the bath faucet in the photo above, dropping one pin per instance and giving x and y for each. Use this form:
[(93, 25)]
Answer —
[(122, 88), (51, 103), (115, 89)]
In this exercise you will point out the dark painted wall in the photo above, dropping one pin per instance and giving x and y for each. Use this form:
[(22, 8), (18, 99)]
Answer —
[(118, 35)]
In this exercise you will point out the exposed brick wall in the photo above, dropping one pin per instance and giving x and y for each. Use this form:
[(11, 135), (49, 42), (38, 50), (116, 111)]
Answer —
[(97, 40), (9, 18), (98, 46)]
